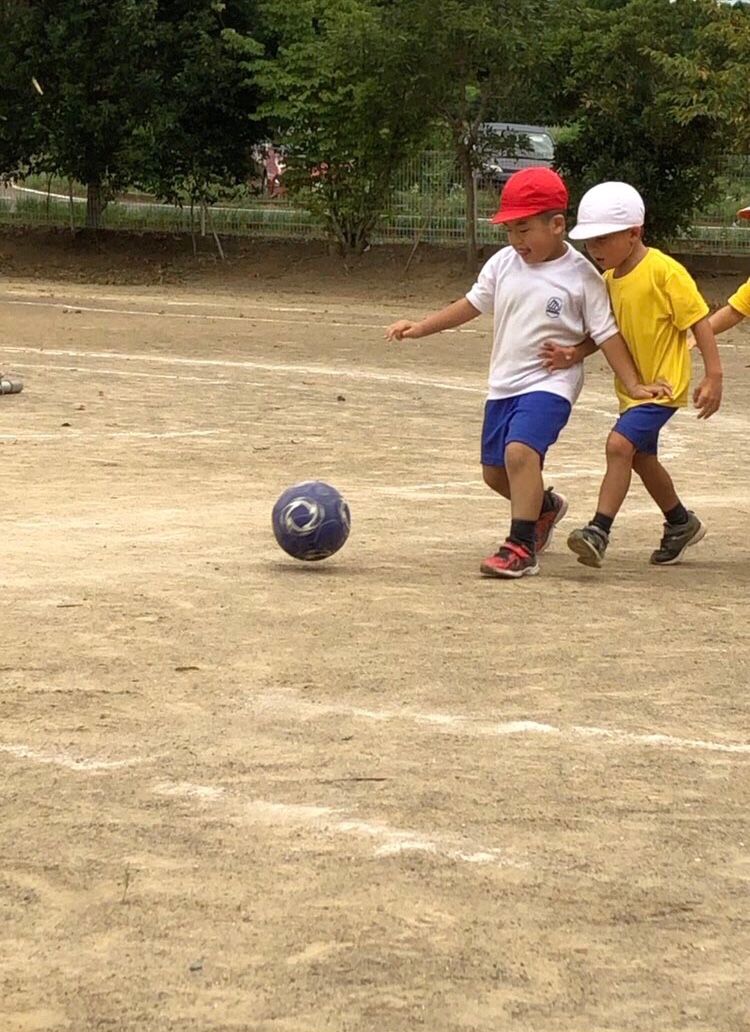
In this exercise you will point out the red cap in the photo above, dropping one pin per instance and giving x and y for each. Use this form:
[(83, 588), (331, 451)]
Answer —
[(744, 213), (530, 192)]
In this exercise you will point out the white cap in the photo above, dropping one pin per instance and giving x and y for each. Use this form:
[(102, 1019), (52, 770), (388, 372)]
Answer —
[(608, 208)]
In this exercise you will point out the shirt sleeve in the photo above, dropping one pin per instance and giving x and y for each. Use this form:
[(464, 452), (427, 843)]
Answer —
[(598, 320), (740, 301), (686, 301), (482, 294)]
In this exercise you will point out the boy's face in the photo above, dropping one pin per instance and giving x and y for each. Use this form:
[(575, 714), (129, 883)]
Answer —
[(538, 238), (612, 250)]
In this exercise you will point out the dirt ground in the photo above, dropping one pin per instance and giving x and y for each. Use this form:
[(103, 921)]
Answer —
[(376, 794)]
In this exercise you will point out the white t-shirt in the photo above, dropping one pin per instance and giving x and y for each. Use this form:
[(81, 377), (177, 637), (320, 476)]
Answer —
[(560, 301)]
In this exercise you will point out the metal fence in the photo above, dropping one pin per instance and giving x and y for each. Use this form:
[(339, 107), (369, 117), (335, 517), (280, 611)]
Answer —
[(428, 204)]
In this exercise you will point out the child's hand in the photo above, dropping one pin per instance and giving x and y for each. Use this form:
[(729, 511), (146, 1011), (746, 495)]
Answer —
[(707, 396), (650, 392), (555, 356), (403, 329)]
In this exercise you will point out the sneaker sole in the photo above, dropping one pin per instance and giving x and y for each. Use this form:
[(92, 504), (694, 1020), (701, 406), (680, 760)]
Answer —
[(697, 537), (587, 554), (489, 571), (561, 514)]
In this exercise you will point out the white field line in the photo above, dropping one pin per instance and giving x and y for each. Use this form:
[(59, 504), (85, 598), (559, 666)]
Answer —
[(84, 435), (248, 319), (244, 303), (385, 839), (60, 759), (272, 367), (132, 373), (469, 726)]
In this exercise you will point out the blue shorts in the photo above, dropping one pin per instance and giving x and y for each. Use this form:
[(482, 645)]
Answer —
[(641, 426), (534, 419)]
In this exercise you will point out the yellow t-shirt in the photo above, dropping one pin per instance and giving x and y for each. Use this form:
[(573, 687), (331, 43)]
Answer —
[(655, 305), (740, 301)]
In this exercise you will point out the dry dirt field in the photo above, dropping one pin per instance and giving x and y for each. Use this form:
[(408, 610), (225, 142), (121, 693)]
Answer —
[(377, 794)]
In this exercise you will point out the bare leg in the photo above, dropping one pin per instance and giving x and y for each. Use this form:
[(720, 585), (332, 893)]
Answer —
[(616, 483), (656, 480), (496, 478), (523, 467)]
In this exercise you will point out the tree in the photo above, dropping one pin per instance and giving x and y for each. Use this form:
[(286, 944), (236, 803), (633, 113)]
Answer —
[(201, 132), (346, 92), (18, 131), (480, 57), (646, 90), (96, 63)]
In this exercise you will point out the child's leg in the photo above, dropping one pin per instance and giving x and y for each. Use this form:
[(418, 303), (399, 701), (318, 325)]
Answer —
[(530, 425), (682, 528), (616, 484), (497, 478), (657, 481)]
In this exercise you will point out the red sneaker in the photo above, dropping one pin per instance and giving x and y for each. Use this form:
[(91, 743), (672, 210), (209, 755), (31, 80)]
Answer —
[(545, 525), (510, 561)]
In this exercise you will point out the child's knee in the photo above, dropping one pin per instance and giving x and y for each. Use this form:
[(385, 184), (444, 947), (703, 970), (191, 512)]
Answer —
[(519, 457), (619, 449), (496, 478)]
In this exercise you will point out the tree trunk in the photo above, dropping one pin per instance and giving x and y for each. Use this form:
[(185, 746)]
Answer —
[(96, 202), (470, 190)]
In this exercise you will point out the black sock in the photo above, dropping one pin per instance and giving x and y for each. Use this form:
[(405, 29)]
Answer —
[(677, 515), (547, 504), (522, 533), (603, 522)]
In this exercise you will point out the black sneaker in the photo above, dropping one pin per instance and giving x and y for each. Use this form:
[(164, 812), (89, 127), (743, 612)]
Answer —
[(678, 537), (589, 544)]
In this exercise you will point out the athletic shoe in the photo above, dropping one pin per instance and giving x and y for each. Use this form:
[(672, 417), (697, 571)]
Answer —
[(510, 561), (589, 544), (678, 537), (545, 525)]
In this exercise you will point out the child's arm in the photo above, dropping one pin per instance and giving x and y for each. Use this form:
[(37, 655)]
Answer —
[(707, 395), (617, 353), (725, 319), (555, 356), (446, 319)]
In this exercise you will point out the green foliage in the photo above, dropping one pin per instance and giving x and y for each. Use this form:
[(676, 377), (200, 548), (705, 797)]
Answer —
[(199, 139), (644, 88), (345, 91)]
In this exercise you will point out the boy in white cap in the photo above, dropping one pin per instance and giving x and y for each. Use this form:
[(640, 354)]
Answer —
[(656, 302), (539, 288), (737, 307)]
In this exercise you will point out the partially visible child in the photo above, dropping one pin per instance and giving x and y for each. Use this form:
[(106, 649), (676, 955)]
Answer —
[(539, 289), (656, 302), (737, 307)]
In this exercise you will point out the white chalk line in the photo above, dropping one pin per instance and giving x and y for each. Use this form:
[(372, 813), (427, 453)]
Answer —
[(61, 759), (133, 373), (249, 319), (333, 308), (470, 726), (385, 839), (70, 433), (272, 367)]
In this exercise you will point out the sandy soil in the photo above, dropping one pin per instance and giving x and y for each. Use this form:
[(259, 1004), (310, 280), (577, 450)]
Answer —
[(377, 793)]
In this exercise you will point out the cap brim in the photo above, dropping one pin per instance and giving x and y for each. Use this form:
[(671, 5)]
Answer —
[(589, 230), (744, 213), (509, 214)]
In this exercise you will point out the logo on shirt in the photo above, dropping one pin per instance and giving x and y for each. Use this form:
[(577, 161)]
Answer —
[(554, 307)]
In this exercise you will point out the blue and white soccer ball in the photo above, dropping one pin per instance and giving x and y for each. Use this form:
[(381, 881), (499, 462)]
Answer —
[(311, 520)]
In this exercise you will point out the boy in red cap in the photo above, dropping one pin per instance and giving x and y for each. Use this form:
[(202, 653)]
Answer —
[(737, 307), (539, 289)]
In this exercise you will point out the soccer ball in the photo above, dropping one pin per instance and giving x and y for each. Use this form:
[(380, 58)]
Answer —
[(311, 520)]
